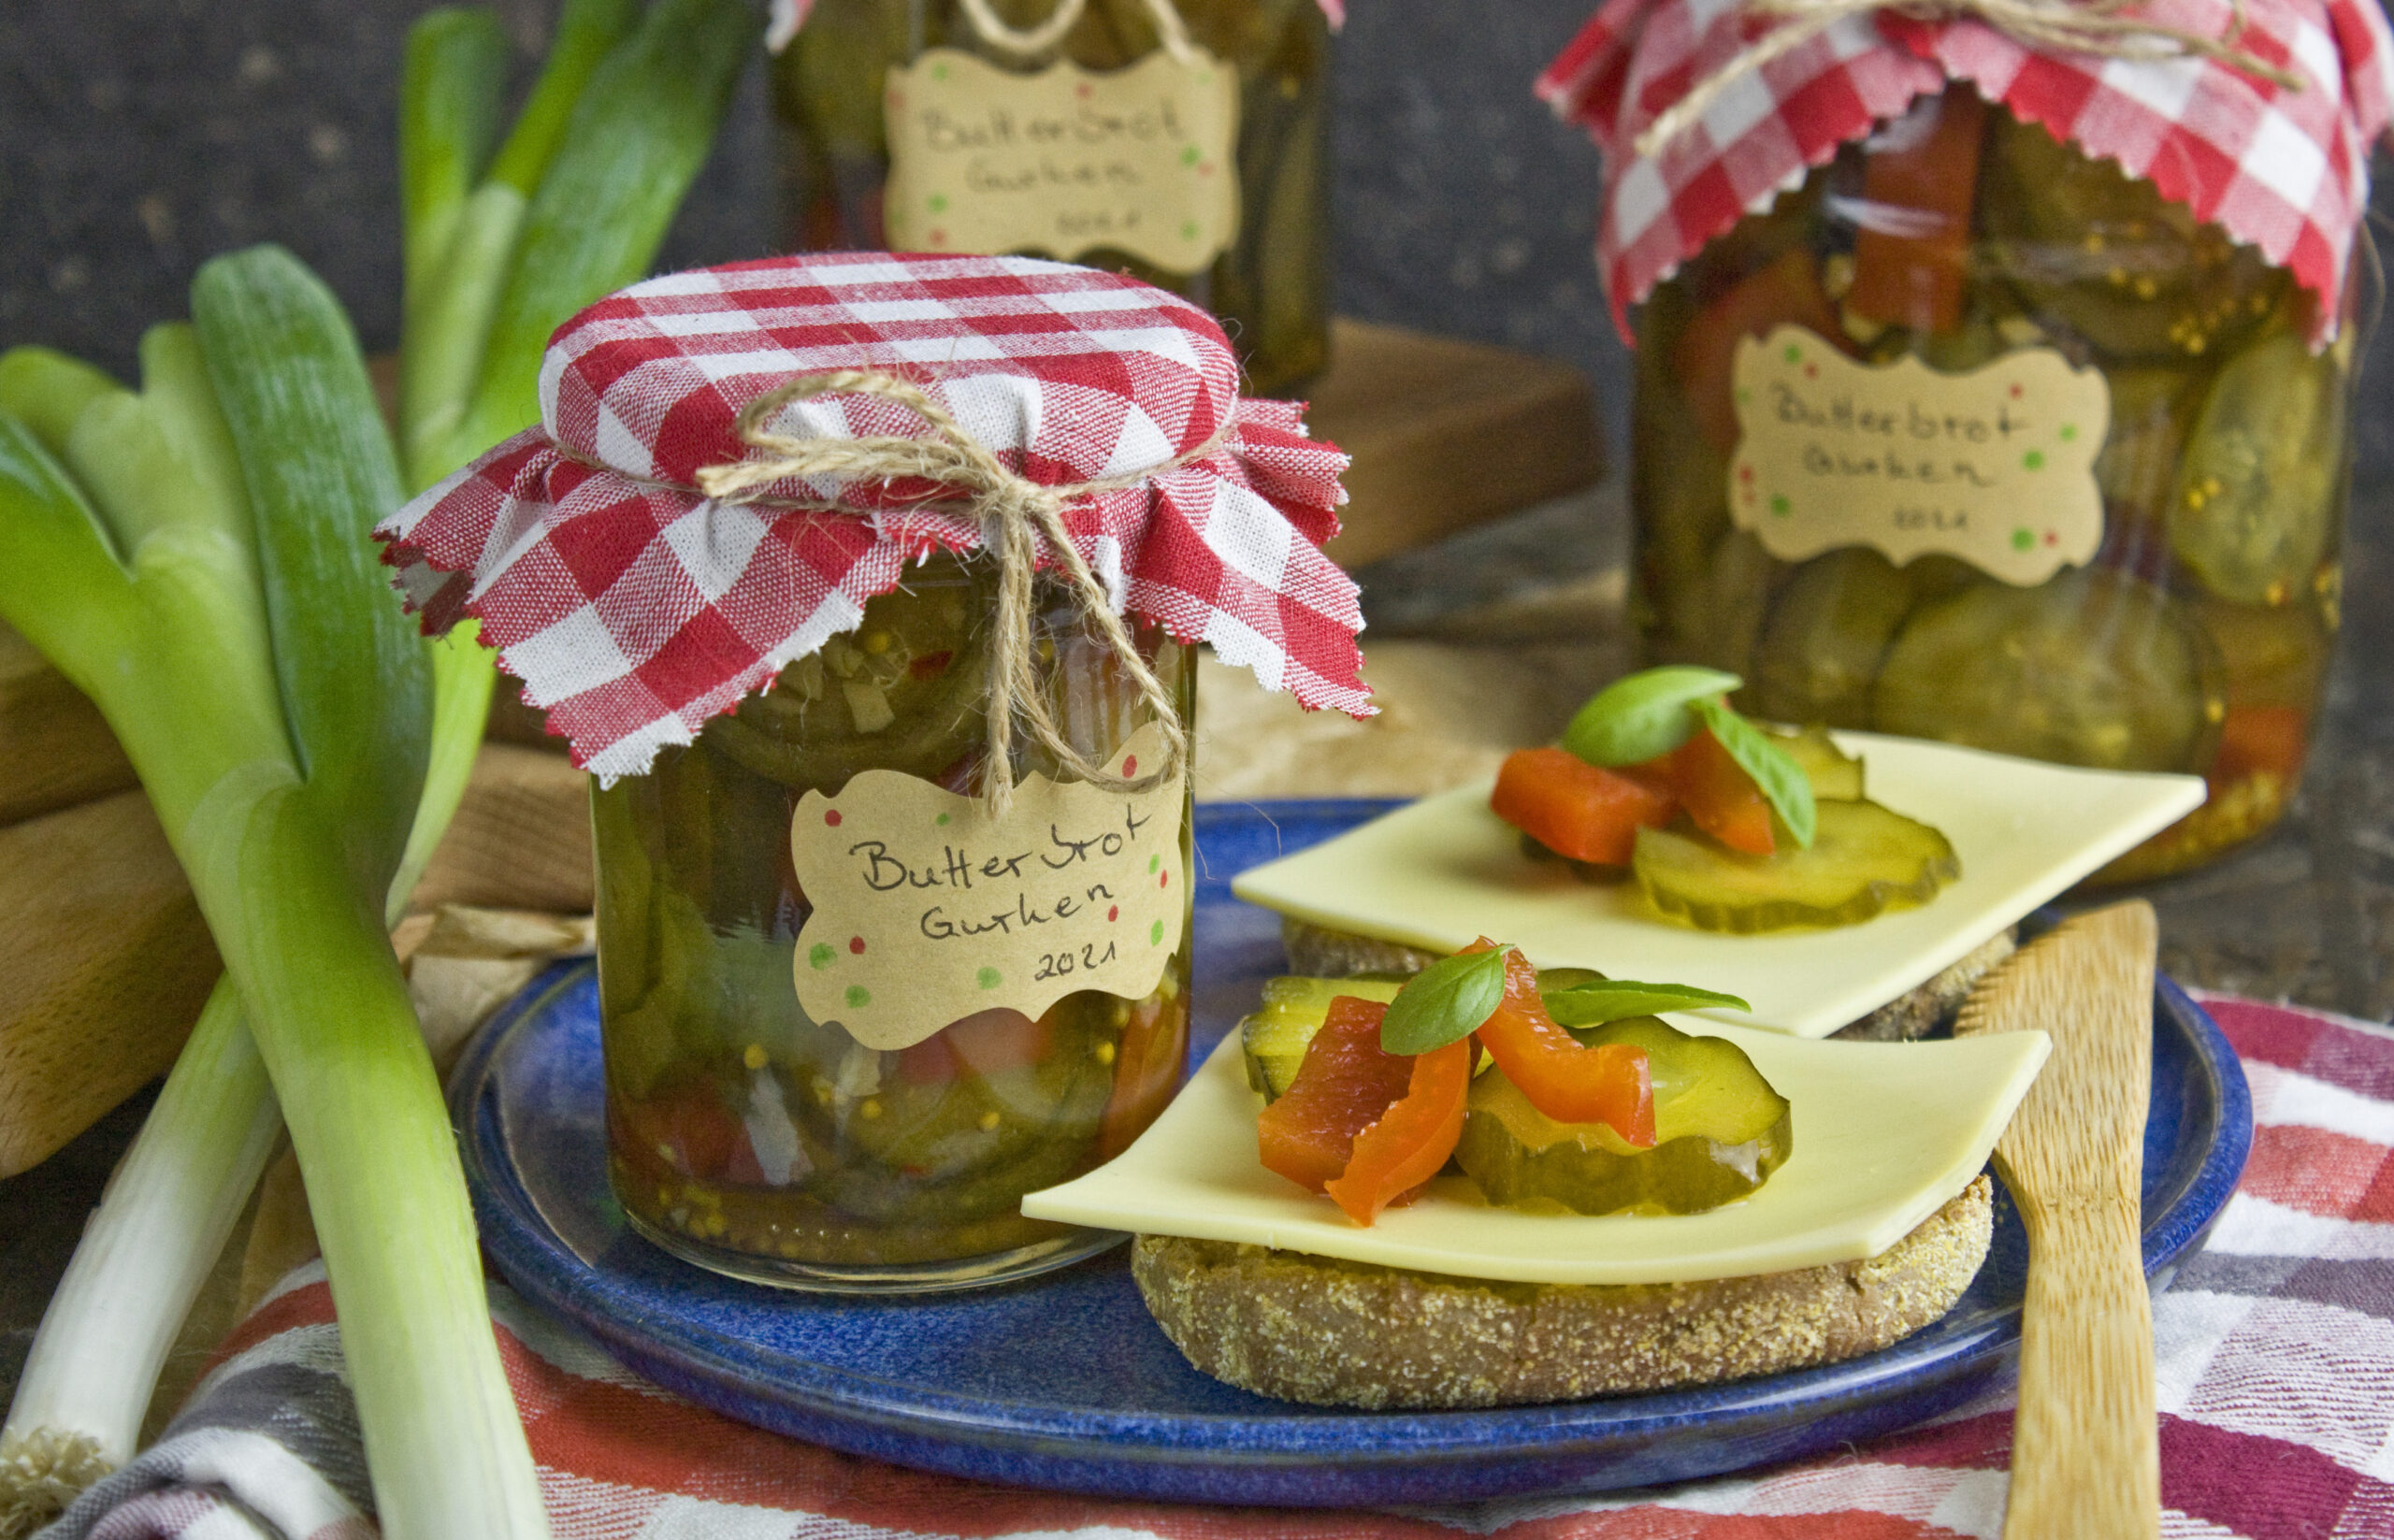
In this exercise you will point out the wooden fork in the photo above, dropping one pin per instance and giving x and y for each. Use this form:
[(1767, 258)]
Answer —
[(2086, 1460)]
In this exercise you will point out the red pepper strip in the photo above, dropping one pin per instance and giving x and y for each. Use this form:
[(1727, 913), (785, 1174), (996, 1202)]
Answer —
[(1720, 796), (1576, 808), (1916, 280), (1147, 1070), (1570, 1084), (1345, 1085), (1395, 1157)]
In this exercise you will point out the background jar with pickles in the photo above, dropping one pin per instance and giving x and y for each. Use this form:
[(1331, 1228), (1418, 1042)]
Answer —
[(2197, 638), (753, 1140), (1270, 288)]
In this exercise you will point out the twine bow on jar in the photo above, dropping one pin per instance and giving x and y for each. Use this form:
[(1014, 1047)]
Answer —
[(2104, 28), (1015, 512)]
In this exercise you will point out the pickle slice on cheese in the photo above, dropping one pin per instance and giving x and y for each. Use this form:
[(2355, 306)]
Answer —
[(1274, 1035), (1720, 1130), (1864, 860), (1834, 775)]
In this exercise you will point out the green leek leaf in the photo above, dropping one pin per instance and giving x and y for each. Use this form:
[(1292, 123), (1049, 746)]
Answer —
[(637, 138), (355, 683), (450, 85)]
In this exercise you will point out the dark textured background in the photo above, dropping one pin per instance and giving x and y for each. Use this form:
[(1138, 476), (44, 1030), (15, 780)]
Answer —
[(139, 137)]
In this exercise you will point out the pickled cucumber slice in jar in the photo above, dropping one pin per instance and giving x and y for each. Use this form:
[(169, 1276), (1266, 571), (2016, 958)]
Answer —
[(1716, 620), (1720, 1130), (905, 690), (2256, 507), (2092, 668), (2137, 467), (1273, 1036), (2097, 254), (1864, 859), (1830, 625)]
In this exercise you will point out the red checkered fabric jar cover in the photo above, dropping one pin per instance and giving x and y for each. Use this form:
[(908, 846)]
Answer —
[(634, 608), (2285, 170)]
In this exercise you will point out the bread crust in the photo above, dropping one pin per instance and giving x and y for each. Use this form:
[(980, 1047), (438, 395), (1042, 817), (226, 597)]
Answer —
[(1302, 1328)]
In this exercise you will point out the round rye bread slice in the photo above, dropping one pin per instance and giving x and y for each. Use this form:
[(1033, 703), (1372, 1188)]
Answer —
[(1304, 1328)]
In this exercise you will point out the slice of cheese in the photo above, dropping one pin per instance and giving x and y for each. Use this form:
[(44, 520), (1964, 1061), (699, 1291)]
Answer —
[(1885, 1134), (1445, 870)]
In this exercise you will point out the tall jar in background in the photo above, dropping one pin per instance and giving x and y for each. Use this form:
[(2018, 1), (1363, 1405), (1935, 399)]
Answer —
[(1184, 142), (2130, 560), (1995, 374)]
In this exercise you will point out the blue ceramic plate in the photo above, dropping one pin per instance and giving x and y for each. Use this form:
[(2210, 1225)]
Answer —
[(1062, 1381)]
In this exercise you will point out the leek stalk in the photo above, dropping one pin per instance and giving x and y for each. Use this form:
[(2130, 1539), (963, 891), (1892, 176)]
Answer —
[(239, 640), (176, 1198)]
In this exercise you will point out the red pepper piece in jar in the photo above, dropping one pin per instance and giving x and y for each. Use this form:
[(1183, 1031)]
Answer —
[(1584, 812), (1786, 289), (982, 1043), (1344, 1084), (1611, 1084), (1720, 796), (684, 1131), (1923, 172), (1147, 1070), (2260, 740)]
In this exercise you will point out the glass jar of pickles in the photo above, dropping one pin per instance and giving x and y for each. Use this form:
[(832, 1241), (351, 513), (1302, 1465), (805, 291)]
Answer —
[(750, 1136), (884, 670), (1971, 436), (1183, 141), (1994, 367)]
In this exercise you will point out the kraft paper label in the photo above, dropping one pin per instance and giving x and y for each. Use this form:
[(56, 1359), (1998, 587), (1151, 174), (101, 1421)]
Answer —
[(1142, 160), (926, 910), (1995, 465)]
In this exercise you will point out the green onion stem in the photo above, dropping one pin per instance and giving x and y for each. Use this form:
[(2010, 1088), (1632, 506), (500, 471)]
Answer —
[(140, 507)]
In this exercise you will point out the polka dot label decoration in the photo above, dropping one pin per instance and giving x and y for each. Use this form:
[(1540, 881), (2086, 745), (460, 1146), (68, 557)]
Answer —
[(1833, 451), (926, 907)]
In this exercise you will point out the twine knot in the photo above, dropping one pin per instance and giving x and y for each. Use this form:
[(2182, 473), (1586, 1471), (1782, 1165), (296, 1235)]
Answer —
[(2100, 27), (1015, 512)]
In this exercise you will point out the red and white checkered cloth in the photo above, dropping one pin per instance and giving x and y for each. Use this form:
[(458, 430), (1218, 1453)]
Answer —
[(2275, 1353), (2285, 170), (634, 608)]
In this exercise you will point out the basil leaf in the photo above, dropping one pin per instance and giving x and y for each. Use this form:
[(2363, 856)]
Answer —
[(1593, 1004), (1635, 718), (1782, 780), (1444, 1002)]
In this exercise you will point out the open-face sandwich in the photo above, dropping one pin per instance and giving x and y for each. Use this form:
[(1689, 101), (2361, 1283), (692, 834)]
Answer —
[(1487, 1187)]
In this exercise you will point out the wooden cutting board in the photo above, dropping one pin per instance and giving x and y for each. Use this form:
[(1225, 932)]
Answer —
[(1447, 434), (108, 963)]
